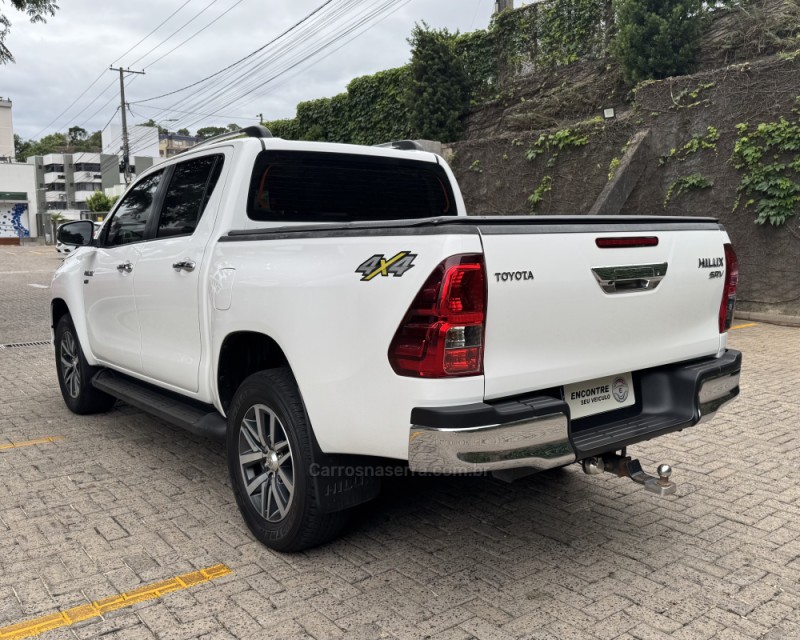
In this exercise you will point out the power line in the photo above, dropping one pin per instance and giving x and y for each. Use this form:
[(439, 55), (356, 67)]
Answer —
[(71, 104), (249, 55), (249, 72), (252, 72), (108, 102), (183, 26), (341, 46), (197, 33), (163, 22), (259, 83), (195, 113), (102, 73)]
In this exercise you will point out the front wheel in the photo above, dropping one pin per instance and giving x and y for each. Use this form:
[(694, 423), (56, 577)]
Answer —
[(75, 374), (269, 450)]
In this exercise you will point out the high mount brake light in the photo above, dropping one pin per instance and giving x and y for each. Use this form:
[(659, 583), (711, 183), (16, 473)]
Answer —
[(441, 335), (729, 291), (623, 243)]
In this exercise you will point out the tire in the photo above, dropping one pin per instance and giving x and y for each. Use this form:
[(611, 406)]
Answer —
[(74, 373), (270, 456)]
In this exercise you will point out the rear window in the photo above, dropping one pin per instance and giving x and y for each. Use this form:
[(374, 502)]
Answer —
[(294, 186)]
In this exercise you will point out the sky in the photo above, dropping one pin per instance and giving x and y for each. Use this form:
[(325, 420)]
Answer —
[(57, 61)]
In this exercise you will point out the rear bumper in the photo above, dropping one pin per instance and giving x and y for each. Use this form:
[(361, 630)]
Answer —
[(536, 431)]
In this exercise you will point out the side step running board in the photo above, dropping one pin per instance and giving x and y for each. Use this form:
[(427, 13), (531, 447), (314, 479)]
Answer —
[(201, 420)]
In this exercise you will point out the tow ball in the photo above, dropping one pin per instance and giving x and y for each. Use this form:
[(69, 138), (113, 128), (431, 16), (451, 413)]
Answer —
[(625, 467)]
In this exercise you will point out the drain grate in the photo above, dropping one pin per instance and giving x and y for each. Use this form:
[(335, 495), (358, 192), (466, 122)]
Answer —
[(18, 345)]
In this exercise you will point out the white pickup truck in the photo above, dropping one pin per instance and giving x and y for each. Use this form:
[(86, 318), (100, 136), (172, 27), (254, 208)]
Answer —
[(332, 313)]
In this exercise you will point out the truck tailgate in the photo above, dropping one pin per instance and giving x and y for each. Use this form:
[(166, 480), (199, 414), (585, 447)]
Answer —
[(561, 309)]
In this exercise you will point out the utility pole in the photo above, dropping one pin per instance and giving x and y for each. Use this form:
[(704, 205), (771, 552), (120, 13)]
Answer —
[(126, 164)]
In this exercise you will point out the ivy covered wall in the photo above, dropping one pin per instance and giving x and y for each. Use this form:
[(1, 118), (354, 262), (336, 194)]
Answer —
[(373, 110)]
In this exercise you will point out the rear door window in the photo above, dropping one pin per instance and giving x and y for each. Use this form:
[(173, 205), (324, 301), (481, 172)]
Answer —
[(297, 186), (187, 195)]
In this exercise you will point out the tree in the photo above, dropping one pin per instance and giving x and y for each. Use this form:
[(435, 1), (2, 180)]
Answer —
[(52, 143), (439, 88), (183, 132), (658, 38), (233, 127), (36, 10), (99, 202), (94, 143), (76, 135), (210, 132), (76, 140), (22, 148)]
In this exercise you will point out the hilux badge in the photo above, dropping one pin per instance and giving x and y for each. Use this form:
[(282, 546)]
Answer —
[(710, 263)]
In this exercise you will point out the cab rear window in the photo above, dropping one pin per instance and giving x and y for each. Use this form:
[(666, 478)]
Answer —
[(292, 186)]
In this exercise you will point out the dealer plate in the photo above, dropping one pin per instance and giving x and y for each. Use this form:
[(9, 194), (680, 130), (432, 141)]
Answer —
[(600, 395)]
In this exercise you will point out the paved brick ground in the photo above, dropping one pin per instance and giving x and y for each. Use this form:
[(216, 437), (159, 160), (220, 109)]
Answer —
[(125, 500)]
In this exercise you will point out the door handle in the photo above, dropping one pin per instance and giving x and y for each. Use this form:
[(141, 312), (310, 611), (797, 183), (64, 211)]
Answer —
[(184, 265), (127, 267)]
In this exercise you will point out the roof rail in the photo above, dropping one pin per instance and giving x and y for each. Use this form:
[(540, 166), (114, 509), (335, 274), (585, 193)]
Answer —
[(404, 145), (253, 131)]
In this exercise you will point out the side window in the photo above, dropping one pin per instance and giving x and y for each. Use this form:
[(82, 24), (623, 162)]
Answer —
[(187, 195), (130, 220)]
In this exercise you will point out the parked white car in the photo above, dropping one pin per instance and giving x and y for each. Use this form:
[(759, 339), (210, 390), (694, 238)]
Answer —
[(332, 314)]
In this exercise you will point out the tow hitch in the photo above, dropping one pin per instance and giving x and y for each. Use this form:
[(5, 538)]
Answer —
[(625, 467)]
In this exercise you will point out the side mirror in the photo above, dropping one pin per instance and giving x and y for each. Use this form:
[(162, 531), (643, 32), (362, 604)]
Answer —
[(76, 234)]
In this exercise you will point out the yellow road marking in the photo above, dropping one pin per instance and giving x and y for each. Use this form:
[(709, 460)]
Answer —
[(30, 443), (744, 326), (385, 264), (96, 609)]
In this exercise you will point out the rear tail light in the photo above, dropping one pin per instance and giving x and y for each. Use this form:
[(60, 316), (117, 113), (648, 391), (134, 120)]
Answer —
[(441, 335), (729, 292)]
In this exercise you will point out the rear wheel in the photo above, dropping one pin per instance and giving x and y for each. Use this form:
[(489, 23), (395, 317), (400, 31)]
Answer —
[(75, 374), (269, 451)]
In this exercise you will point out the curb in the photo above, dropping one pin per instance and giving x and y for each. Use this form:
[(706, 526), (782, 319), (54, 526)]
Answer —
[(769, 318)]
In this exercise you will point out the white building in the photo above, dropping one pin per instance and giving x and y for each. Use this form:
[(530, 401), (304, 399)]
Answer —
[(6, 131), (67, 180), (17, 200)]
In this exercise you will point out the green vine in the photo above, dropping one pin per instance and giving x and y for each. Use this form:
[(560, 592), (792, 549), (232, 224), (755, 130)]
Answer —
[(690, 98), (687, 183), (535, 199), (556, 142), (769, 156), (695, 144), (553, 144), (612, 168), (536, 36)]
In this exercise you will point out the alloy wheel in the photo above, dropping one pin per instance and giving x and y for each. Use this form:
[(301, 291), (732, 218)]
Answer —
[(70, 364), (266, 463)]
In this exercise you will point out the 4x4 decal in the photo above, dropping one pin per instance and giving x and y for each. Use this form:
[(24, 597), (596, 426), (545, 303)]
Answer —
[(381, 265)]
